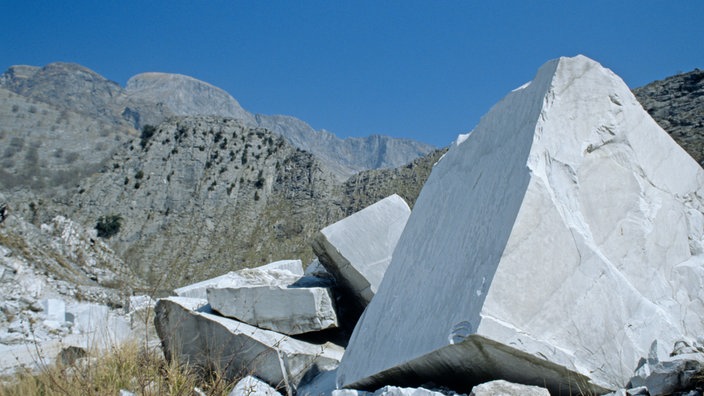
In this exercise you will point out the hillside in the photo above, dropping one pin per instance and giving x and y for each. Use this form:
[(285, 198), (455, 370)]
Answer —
[(46, 146)]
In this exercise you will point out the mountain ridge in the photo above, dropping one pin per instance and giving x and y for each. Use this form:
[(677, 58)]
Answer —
[(150, 98)]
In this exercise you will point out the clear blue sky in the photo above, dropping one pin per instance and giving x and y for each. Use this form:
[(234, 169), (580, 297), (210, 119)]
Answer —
[(426, 70)]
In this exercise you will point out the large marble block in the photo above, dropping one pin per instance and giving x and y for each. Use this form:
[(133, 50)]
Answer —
[(549, 247), (357, 249), (279, 301), (192, 334)]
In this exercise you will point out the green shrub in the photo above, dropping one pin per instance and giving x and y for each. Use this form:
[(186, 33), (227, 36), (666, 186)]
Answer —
[(109, 225), (147, 132)]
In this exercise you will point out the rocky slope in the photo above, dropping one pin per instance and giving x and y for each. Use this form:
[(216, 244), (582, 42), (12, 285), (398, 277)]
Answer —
[(63, 290), (677, 104), (368, 187), (150, 98), (205, 195)]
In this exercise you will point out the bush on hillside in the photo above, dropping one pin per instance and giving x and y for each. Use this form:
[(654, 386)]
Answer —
[(109, 225), (147, 132)]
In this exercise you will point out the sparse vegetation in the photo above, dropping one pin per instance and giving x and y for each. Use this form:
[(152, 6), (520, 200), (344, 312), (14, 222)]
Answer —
[(260, 180), (109, 225)]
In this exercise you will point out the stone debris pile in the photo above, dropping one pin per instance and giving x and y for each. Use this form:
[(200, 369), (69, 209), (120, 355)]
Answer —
[(279, 322), (62, 290)]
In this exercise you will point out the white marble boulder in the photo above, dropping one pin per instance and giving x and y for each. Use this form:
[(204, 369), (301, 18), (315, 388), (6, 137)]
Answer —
[(253, 386), (551, 247), (277, 300), (241, 277), (191, 333), (505, 388), (54, 309), (357, 249)]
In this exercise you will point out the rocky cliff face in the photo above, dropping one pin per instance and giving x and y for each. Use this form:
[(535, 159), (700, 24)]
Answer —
[(677, 104), (205, 195), (345, 156)]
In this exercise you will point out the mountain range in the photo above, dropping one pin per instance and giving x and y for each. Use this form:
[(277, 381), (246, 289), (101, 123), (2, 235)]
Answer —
[(150, 98)]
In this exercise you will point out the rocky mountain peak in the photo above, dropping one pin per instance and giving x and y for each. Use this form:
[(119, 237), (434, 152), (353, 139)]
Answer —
[(68, 86), (151, 98), (184, 95)]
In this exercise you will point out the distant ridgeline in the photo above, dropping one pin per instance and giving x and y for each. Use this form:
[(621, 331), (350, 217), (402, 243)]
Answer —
[(150, 98)]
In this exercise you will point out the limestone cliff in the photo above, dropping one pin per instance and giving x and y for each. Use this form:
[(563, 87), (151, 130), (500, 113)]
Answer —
[(205, 195)]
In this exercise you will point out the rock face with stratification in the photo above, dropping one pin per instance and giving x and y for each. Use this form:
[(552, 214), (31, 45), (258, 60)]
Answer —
[(191, 332), (551, 247), (357, 249)]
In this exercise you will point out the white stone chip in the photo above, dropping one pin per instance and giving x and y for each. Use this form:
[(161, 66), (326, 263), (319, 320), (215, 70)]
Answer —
[(505, 388), (293, 268), (252, 386)]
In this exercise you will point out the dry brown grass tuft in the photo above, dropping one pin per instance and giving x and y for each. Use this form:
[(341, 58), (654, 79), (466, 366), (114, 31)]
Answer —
[(129, 367)]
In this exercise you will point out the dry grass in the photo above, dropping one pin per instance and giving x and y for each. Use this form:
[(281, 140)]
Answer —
[(129, 367)]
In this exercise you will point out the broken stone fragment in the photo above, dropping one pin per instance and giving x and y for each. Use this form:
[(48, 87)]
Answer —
[(276, 302), (505, 388), (241, 277), (191, 333), (54, 310), (253, 386), (357, 249)]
